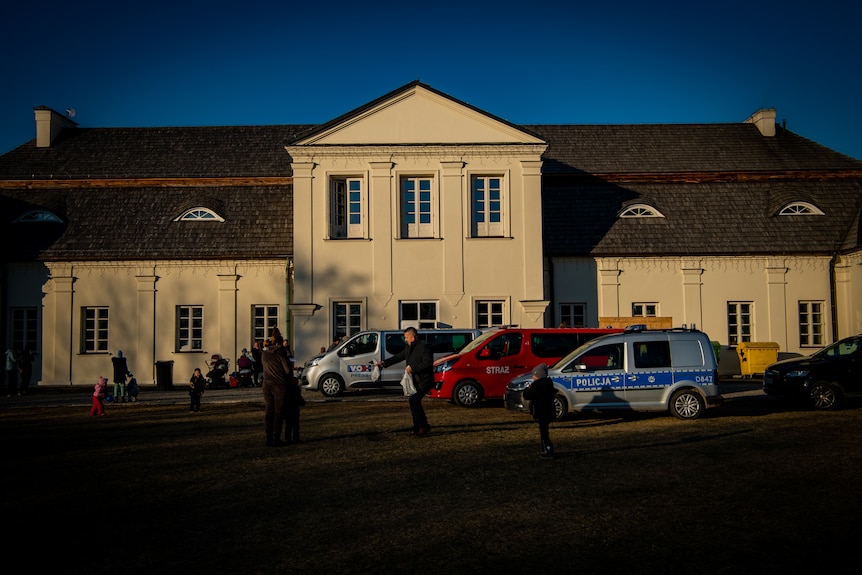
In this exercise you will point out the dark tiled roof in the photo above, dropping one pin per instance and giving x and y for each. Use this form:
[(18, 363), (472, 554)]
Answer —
[(220, 151), (663, 148), (700, 218), (137, 223)]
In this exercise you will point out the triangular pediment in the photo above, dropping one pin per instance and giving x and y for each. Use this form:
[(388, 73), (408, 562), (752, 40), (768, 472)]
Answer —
[(417, 114)]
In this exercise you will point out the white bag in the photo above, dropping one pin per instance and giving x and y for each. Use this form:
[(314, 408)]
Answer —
[(375, 373), (407, 384)]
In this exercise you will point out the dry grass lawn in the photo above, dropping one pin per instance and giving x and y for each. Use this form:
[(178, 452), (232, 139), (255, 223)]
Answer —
[(751, 488)]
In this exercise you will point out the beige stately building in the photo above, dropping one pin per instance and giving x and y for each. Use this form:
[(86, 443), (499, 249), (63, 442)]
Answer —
[(417, 209)]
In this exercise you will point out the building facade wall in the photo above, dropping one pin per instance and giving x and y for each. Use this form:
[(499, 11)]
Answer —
[(142, 299)]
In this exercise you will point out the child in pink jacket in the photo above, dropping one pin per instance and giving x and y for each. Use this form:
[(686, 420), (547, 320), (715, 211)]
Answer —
[(99, 393)]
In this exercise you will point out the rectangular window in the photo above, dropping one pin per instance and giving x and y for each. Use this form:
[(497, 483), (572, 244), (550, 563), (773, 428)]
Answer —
[(811, 324), (346, 318), (487, 210), (25, 325), (94, 329), (347, 208), (573, 315), (739, 321), (417, 207), (190, 327), (644, 309), (419, 314), (489, 313), (263, 319)]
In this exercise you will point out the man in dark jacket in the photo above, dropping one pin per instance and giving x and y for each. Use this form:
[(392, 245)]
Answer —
[(420, 364), (541, 393)]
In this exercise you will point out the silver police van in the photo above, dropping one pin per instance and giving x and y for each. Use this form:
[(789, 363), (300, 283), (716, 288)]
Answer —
[(639, 370), (350, 364)]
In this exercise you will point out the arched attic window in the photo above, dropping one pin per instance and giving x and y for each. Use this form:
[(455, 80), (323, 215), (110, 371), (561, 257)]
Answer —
[(640, 211), (199, 214), (800, 209), (37, 216)]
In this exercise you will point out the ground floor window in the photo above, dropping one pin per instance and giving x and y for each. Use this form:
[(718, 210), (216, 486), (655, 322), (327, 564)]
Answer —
[(811, 324), (490, 313), (94, 329), (263, 319), (573, 315), (739, 321), (190, 327), (346, 318), (644, 309), (25, 328), (419, 314)]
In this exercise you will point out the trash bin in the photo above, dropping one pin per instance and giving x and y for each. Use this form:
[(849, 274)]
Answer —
[(165, 375), (755, 357)]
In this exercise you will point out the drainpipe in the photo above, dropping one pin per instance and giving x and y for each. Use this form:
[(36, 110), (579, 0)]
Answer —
[(833, 310)]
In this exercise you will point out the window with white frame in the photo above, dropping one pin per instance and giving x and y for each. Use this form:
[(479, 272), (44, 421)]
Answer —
[(490, 313), (263, 319), (25, 326), (190, 327), (573, 314), (346, 208), (94, 329), (487, 209), (199, 214), (419, 314), (640, 309), (800, 209), (740, 315), (811, 324), (640, 211), (417, 207), (346, 318)]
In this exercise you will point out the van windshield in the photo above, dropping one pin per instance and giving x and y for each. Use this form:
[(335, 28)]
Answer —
[(478, 341)]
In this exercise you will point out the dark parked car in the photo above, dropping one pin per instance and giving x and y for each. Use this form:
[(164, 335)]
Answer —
[(822, 380)]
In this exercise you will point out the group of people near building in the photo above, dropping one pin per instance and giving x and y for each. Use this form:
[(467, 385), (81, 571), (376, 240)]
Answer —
[(19, 371)]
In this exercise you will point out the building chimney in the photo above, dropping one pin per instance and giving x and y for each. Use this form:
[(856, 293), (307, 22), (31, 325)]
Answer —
[(764, 120), (49, 124)]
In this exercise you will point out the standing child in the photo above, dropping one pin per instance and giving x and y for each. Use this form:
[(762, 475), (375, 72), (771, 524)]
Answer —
[(293, 401), (541, 394), (99, 393), (133, 389), (197, 384)]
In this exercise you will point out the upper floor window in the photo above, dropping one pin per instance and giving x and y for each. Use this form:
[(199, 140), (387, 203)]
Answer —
[(740, 322), (573, 314), (487, 206), (643, 309), (263, 319), (490, 313), (419, 314), (417, 207), (37, 216), (800, 209), (200, 215), (640, 211), (346, 208)]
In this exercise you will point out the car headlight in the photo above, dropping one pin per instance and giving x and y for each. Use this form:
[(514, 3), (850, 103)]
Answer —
[(313, 361), (444, 366), (798, 373), (519, 384)]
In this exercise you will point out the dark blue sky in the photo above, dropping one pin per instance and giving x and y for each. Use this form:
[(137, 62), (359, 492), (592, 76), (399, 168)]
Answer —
[(191, 63)]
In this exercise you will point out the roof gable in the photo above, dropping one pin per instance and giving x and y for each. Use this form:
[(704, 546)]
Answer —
[(417, 114)]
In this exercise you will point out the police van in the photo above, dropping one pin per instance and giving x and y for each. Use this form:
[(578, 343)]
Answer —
[(639, 370), (350, 364)]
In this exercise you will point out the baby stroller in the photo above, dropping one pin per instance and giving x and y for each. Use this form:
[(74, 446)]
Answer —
[(218, 369)]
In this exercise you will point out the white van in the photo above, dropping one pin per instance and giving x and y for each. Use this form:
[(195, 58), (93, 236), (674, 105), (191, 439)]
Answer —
[(671, 370), (349, 365)]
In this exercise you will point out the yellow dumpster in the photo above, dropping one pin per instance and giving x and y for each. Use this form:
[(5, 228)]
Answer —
[(755, 357)]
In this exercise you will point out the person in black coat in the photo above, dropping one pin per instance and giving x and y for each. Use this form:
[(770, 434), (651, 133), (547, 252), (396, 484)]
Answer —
[(420, 364), (541, 394)]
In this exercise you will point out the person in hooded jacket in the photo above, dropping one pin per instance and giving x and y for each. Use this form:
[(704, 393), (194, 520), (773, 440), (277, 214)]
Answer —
[(277, 374), (121, 370), (541, 393), (420, 364)]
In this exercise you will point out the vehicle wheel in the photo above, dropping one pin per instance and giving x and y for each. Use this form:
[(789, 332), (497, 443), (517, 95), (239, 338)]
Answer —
[(825, 396), (467, 393), (331, 385), (561, 407), (687, 404)]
